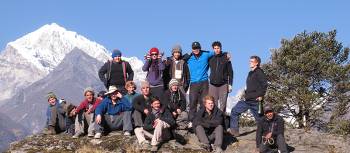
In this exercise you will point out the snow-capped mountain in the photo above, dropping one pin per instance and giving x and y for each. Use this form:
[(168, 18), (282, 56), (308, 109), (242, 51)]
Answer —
[(33, 56)]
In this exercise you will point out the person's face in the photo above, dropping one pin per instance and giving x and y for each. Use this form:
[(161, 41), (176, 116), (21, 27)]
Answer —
[(174, 87), (209, 105), (217, 50), (195, 51), (52, 101), (89, 96), (269, 115), (117, 59), (253, 63), (114, 96), (130, 89), (177, 55), (156, 105), (145, 90), (154, 56)]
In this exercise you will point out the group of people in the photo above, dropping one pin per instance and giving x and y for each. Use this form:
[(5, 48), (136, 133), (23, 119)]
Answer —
[(162, 106)]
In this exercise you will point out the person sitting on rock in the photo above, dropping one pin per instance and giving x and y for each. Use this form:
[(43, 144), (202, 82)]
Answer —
[(270, 132), (101, 95), (55, 122), (130, 87), (208, 124), (157, 125), (85, 119), (176, 102), (141, 105), (113, 113), (70, 110)]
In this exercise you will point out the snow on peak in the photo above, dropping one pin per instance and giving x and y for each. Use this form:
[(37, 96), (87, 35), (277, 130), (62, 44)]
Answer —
[(47, 46)]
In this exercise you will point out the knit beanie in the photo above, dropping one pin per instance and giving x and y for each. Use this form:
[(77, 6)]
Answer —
[(116, 53), (173, 82), (51, 95), (154, 50), (89, 89), (176, 48)]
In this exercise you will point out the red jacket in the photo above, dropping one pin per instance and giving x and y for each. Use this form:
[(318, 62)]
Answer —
[(84, 105)]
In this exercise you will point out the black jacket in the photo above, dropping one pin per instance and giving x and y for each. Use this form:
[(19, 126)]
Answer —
[(175, 100), (209, 122), (256, 84), (140, 103), (265, 126), (168, 73), (112, 73), (220, 70), (164, 115)]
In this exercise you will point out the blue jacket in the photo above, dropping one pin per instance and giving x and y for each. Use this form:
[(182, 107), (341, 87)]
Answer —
[(107, 107), (199, 66), (131, 97), (48, 111)]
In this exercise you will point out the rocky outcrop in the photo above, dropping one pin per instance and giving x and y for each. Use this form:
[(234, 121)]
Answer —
[(297, 139)]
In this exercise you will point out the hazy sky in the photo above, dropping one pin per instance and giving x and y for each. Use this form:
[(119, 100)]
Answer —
[(245, 28)]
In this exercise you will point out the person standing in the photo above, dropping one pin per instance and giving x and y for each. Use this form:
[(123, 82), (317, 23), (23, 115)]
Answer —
[(256, 88), (154, 66), (177, 68), (221, 76), (198, 63), (116, 72)]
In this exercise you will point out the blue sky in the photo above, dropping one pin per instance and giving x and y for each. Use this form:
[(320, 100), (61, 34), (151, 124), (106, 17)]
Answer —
[(245, 28)]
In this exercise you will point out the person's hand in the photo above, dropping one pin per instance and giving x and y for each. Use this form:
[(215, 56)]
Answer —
[(159, 56), (228, 56), (269, 135), (147, 56), (259, 99), (174, 114), (155, 122), (146, 111), (229, 88), (119, 95), (178, 111), (73, 112), (98, 119)]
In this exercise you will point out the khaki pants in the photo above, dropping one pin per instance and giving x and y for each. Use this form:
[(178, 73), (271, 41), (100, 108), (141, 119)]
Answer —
[(156, 137), (85, 121)]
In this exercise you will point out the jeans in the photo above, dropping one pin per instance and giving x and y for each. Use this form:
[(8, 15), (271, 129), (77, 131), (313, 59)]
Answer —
[(241, 107)]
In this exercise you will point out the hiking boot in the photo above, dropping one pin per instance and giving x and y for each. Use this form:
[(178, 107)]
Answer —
[(154, 148), (49, 131), (205, 146), (91, 134), (127, 133), (218, 150), (77, 135), (234, 132), (98, 135), (145, 144)]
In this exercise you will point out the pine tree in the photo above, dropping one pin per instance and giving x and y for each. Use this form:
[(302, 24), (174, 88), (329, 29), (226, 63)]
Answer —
[(306, 73)]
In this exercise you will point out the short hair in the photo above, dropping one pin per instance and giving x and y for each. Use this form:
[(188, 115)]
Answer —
[(145, 84), (208, 97), (130, 83), (216, 43), (257, 58), (155, 98)]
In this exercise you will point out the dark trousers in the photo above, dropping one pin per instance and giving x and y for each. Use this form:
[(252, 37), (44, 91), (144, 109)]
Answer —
[(220, 95), (279, 142), (115, 122), (197, 92), (241, 107), (57, 120), (158, 91), (217, 135)]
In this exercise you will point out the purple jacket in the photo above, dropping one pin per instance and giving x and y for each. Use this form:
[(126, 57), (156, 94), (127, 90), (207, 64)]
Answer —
[(154, 69)]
